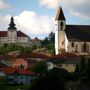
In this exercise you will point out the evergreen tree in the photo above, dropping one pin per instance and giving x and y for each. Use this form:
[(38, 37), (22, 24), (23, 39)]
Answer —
[(51, 81), (77, 72), (77, 69), (39, 68), (88, 70), (83, 66)]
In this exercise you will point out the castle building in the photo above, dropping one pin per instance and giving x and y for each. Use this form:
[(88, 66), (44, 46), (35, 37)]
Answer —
[(71, 38), (13, 36)]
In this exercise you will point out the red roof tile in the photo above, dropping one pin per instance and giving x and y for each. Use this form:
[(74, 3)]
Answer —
[(10, 70), (65, 55), (36, 40), (6, 57), (21, 34), (3, 33), (33, 55), (19, 61)]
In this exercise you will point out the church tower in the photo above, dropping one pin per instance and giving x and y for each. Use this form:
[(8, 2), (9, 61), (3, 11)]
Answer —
[(12, 32), (60, 31)]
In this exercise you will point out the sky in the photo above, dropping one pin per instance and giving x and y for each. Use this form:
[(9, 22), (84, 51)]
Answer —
[(36, 18)]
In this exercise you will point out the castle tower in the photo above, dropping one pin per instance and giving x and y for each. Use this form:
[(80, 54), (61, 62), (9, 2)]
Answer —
[(60, 31), (12, 32)]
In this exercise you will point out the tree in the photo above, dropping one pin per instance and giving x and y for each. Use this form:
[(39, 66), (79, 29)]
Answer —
[(49, 40), (77, 69), (51, 81), (82, 66), (88, 70), (45, 41), (77, 72), (39, 68), (51, 37)]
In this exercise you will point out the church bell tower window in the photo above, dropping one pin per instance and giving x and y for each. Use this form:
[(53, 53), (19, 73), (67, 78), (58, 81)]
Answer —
[(61, 25)]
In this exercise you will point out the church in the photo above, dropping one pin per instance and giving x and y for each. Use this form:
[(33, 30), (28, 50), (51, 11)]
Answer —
[(71, 38), (13, 36)]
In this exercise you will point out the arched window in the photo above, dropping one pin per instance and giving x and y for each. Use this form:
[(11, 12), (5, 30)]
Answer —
[(61, 25), (72, 44)]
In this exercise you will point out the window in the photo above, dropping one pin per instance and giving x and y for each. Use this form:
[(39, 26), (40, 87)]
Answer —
[(72, 44), (62, 42), (61, 25)]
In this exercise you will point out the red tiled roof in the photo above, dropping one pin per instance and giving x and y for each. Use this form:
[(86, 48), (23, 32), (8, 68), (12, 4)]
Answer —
[(10, 70), (36, 39), (19, 61), (65, 55), (3, 33), (34, 55), (21, 34), (6, 57)]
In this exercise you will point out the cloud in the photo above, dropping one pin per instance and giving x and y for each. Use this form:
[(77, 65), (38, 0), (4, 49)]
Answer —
[(4, 22), (49, 3), (30, 23), (3, 4), (79, 8)]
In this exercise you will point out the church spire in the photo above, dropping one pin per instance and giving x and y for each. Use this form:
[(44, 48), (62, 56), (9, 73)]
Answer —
[(12, 25), (60, 14)]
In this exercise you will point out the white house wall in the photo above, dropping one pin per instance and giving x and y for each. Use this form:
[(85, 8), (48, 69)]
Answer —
[(22, 40), (12, 36), (69, 67), (3, 39)]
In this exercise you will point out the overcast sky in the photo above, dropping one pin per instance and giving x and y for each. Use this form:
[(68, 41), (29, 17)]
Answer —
[(36, 17)]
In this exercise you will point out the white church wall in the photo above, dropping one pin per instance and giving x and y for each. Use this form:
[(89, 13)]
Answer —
[(56, 42), (66, 43), (77, 46), (60, 38)]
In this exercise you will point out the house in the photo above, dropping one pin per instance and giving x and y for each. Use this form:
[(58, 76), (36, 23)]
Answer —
[(19, 63), (71, 38), (35, 56), (2, 65), (68, 61), (36, 42), (13, 36), (18, 76)]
